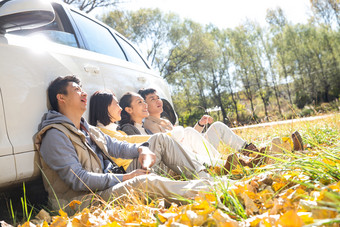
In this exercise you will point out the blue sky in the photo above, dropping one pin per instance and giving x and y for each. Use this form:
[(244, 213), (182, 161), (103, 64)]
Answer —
[(226, 13)]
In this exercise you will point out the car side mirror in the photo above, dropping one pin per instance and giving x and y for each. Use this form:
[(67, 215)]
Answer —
[(24, 14)]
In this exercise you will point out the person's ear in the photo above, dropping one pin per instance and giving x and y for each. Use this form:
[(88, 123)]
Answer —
[(60, 97), (128, 110)]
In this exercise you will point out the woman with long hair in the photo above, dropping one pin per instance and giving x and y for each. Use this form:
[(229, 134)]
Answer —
[(134, 110)]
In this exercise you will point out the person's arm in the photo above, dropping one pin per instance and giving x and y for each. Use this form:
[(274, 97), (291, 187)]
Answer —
[(121, 149), (154, 127), (205, 119), (59, 154), (126, 150)]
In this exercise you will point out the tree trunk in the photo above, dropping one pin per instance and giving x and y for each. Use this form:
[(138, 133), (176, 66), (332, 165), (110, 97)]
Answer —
[(325, 83)]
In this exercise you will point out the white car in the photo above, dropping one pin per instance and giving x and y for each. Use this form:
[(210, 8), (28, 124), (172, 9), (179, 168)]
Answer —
[(40, 40)]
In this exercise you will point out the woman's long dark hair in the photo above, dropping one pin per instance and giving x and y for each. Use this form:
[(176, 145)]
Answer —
[(125, 101), (99, 103)]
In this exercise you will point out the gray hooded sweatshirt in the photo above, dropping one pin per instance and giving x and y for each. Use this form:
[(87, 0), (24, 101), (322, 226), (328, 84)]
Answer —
[(59, 154)]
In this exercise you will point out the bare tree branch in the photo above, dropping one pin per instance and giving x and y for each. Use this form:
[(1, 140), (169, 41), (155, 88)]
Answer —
[(89, 5)]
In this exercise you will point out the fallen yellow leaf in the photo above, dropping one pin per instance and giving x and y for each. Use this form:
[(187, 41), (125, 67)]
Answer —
[(306, 217), (45, 224), (74, 203), (112, 224), (62, 213), (278, 185), (323, 213), (59, 222), (290, 219)]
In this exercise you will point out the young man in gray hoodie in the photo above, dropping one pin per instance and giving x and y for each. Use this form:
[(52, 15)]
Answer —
[(76, 163)]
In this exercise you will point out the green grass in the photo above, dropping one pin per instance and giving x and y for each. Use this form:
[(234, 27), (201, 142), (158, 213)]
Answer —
[(307, 183)]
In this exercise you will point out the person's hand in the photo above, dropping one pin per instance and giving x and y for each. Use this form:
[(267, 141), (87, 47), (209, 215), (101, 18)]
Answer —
[(205, 119), (146, 157), (134, 173)]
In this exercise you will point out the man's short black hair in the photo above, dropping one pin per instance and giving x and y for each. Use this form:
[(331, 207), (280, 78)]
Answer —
[(58, 86), (144, 92)]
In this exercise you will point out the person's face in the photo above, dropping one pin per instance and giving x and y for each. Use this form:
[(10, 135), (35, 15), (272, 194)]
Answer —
[(114, 110), (155, 104), (138, 108), (75, 99)]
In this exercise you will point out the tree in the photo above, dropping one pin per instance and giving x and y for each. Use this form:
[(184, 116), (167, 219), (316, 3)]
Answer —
[(89, 5), (268, 51), (278, 22), (208, 67), (326, 11), (240, 49), (150, 28), (257, 63)]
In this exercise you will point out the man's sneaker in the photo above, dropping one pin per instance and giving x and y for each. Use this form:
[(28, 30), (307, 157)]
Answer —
[(297, 141), (248, 149)]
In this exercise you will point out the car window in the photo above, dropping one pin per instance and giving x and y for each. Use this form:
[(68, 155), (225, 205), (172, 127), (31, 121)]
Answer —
[(131, 53), (60, 37), (57, 31), (97, 38)]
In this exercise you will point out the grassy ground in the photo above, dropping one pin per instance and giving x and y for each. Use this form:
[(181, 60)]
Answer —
[(290, 189)]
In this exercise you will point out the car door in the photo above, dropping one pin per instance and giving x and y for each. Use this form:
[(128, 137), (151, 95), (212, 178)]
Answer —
[(29, 62), (118, 61), (7, 163), (119, 74)]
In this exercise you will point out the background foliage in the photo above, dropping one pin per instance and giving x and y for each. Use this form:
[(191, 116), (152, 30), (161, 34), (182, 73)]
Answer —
[(250, 73)]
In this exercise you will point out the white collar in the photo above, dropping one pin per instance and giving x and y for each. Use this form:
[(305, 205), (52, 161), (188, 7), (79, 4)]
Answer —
[(112, 126), (140, 128)]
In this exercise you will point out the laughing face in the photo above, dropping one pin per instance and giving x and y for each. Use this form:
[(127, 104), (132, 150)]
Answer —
[(75, 100), (138, 109), (155, 104)]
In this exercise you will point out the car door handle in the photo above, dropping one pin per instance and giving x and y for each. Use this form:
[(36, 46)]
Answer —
[(91, 69), (141, 79)]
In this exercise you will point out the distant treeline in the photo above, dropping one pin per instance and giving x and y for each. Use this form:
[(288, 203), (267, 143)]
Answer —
[(251, 72)]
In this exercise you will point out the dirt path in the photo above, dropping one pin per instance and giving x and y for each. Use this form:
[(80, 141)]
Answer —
[(285, 122)]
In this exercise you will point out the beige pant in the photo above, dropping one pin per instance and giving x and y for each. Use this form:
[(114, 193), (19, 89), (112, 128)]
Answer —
[(154, 186), (203, 147), (169, 155), (219, 132), (139, 189)]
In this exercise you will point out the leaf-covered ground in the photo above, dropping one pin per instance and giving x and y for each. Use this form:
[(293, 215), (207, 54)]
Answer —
[(289, 189)]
